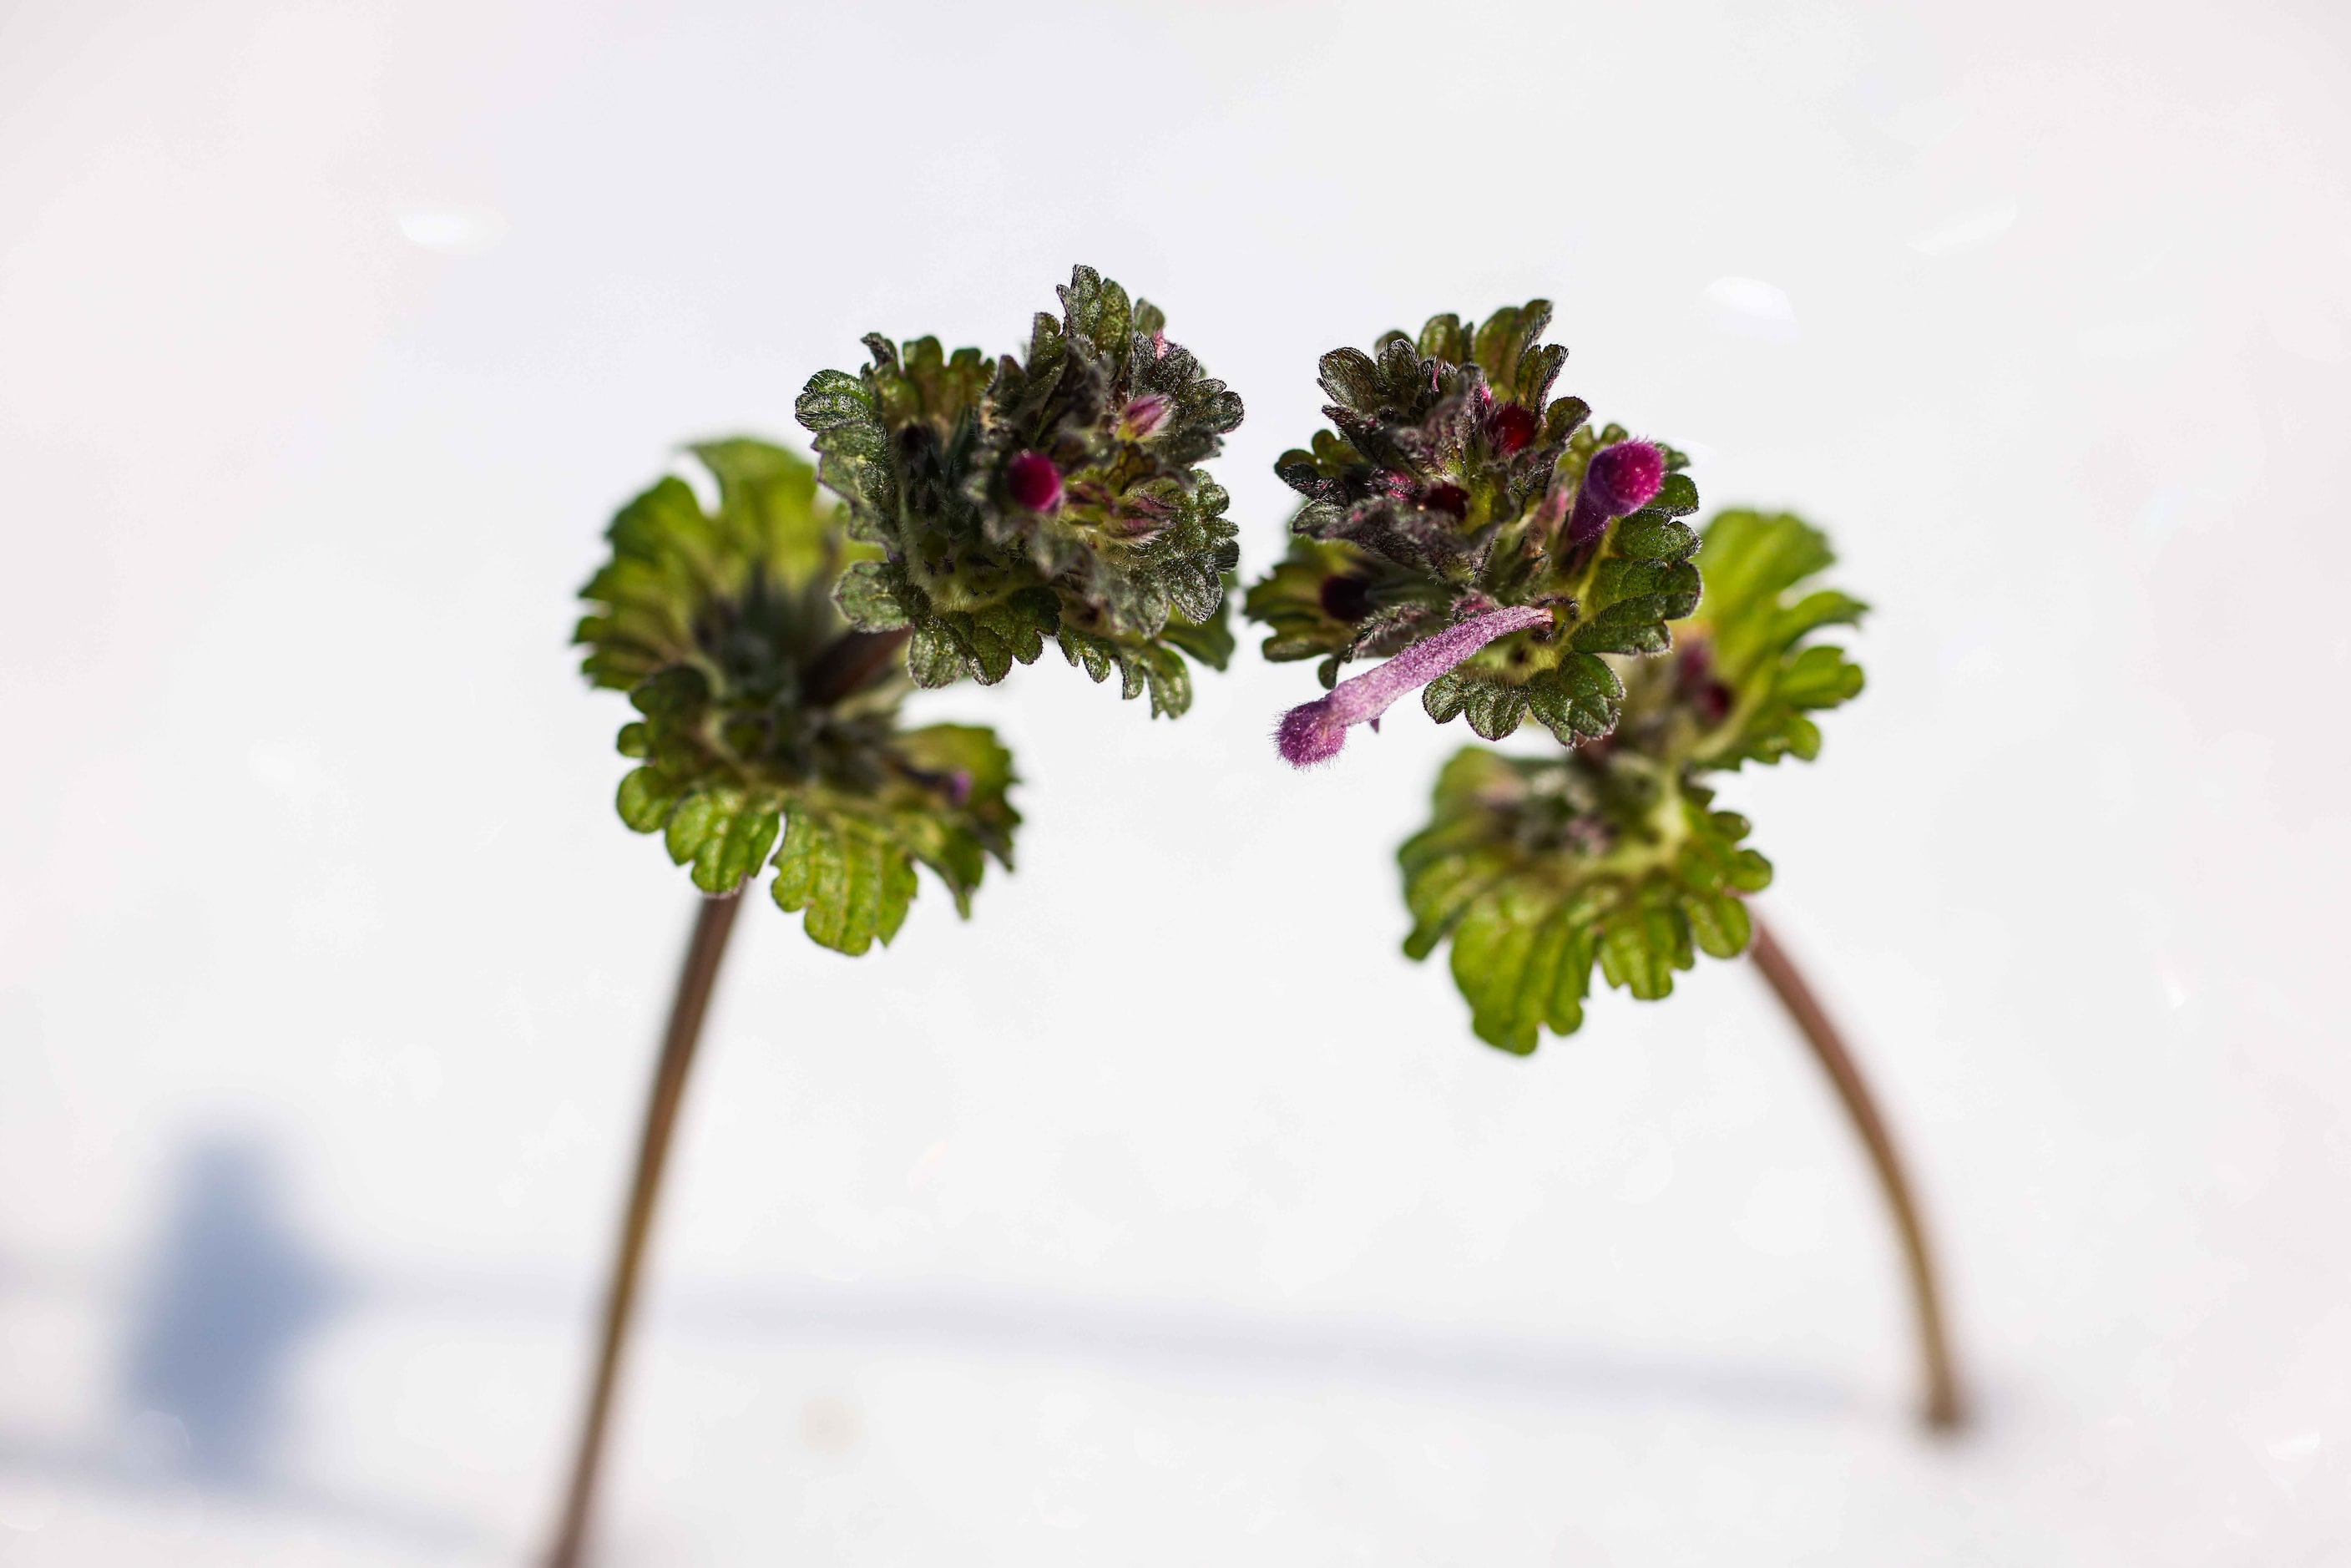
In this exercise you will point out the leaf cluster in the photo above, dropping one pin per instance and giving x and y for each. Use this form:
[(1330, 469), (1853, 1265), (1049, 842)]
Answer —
[(1124, 567), (1538, 868), (1444, 492), (765, 716)]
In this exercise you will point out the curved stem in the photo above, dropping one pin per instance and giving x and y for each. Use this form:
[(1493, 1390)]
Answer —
[(851, 661), (694, 983), (1945, 1410)]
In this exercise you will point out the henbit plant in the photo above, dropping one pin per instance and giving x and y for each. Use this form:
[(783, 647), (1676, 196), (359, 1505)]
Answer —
[(1515, 563), (987, 508)]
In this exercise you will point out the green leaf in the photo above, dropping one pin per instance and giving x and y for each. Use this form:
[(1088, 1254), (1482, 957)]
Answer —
[(1141, 666), (1209, 638), (933, 657), (1677, 497), (736, 846), (834, 399), (1577, 700), (1653, 536), (854, 882), (1495, 712), (645, 800), (1755, 624), (768, 503), (868, 594)]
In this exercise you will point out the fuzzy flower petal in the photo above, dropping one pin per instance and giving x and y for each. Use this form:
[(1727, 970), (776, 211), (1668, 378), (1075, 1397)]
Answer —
[(1314, 732)]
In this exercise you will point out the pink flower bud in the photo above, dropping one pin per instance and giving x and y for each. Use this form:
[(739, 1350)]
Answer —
[(1314, 732), (1693, 675), (1032, 481), (1144, 415), (1621, 479)]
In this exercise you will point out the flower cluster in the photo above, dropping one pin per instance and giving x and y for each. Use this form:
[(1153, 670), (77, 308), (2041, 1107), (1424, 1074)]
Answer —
[(1454, 487), (1055, 494), (764, 714)]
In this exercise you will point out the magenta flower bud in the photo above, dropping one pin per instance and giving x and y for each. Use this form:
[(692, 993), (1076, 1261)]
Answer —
[(1448, 498), (1032, 481), (1514, 426), (1314, 732), (1621, 478), (1346, 598)]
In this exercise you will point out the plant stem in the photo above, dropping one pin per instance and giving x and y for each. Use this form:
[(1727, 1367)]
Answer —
[(1945, 1410), (694, 983), (851, 661)]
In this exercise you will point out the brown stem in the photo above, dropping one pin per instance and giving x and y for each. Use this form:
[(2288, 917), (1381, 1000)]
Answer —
[(1945, 1409), (695, 982), (849, 661)]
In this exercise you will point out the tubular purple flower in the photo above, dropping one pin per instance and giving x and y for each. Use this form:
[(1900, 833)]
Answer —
[(1314, 732), (1621, 479)]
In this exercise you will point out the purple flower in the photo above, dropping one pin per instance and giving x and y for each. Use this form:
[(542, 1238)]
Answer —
[(1314, 732), (1621, 478), (1032, 481)]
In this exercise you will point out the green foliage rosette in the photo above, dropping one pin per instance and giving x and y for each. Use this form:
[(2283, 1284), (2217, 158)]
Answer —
[(769, 732), (1454, 484), (1056, 494), (1612, 853)]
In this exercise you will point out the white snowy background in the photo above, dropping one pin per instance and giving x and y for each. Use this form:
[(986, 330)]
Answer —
[(1163, 1214)]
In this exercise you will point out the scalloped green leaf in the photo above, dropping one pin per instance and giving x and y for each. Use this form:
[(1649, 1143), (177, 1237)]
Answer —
[(646, 798), (852, 879), (1755, 623)]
